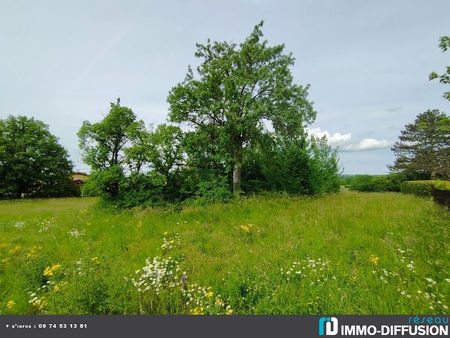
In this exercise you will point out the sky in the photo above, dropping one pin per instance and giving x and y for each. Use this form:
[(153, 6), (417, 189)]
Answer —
[(367, 62)]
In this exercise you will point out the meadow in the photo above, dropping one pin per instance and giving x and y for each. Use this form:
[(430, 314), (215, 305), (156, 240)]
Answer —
[(345, 253)]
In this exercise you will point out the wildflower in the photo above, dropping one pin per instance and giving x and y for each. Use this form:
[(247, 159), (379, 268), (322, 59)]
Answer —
[(50, 270), (157, 274), (19, 225), (197, 311), (209, 294), (374, 259), (76, 233), (10, 305), (229, 310), (15, 250), (430, 281), (95, 260), (33, 252), (169, 243), (38, 303), (46, 224), (247, 228)]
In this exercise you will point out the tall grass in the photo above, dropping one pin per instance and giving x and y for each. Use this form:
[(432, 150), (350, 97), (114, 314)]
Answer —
[(348, 253)]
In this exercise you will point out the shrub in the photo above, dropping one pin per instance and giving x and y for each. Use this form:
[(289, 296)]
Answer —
[(141, 189), (213, 190), (423, 188), (369, 183)]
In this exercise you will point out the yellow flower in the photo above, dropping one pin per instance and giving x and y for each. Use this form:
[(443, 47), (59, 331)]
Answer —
[(95, 260), (248, 228), (229, 311), (374, 259), (50, 270), (39, 303), (58, 286), (245, 228), (32, 253), (209, 294), (15, 250), (219, 302), (10, 304), (197, 311)]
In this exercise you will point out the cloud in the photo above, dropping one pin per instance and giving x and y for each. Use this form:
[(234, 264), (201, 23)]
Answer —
[(334, 140), (367, 144), (344, 141), (394, 109)]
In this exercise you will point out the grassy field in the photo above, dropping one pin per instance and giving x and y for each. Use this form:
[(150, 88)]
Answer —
[(349, 253)]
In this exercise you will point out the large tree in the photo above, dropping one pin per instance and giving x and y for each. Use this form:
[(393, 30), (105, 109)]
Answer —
[(240, 90), (32, 162), (423, 149)]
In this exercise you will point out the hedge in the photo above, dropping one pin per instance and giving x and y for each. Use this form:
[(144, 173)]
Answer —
[(423, 188)]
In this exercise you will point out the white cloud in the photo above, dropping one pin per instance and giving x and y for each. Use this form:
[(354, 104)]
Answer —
[(344, 141), (334, 140), (367, 144)]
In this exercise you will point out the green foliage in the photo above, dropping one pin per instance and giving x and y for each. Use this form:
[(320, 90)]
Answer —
[(423, 188), (104, 183), (324, 167), (294, 166), (239, 87), (32, 162), (141, 190), (104, 143), (215, 189), (444, 44), (131, 165), (239, 93), (165, 151), (367, 183), (423, 148)]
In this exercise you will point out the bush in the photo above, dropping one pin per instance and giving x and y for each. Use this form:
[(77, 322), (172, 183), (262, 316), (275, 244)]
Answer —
[(367, 183), (141, 189), (215, 189), (423, 188)]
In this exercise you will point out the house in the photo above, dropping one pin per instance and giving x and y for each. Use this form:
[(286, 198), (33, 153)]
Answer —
[(79, 178)]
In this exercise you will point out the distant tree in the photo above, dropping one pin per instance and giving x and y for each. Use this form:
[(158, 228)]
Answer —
[(240, 88), (31, 160), (444, 44), (423, 149)]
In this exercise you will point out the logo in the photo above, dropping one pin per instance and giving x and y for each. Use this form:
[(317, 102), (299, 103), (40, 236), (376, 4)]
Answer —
[(328, 326)]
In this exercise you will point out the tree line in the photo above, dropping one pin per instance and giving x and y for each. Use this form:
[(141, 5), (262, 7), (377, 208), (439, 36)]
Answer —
[(236, 125)]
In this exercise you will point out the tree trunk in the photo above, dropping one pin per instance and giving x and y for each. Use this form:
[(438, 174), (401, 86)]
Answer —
[(237, 169)]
